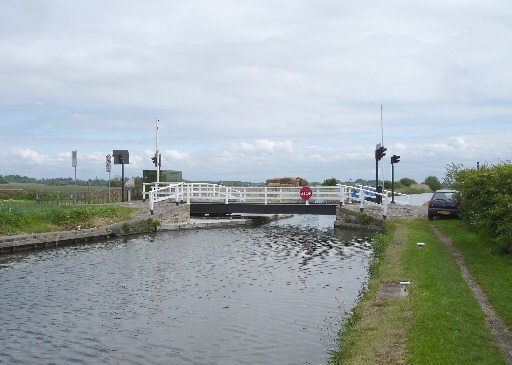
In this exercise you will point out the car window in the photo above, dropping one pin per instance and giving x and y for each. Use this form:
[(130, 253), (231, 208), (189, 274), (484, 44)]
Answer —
[(445, 196)]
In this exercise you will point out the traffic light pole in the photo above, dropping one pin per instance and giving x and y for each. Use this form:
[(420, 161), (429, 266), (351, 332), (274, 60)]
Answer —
[(376, 175), (392, 183)]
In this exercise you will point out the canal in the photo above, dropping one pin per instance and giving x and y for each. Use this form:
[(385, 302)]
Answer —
[(272, 294)]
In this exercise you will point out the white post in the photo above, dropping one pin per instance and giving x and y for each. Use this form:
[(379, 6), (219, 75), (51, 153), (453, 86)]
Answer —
[(151, 199), (157, 157), (266, 199), (361, 198), (227, 196), (188, 194)]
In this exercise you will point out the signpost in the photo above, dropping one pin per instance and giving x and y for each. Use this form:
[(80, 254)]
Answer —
[(74, 164), (306, 193), (121, 157), (108, 166)]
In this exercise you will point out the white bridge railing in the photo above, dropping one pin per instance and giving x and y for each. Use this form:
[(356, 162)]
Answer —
[(205, 192)]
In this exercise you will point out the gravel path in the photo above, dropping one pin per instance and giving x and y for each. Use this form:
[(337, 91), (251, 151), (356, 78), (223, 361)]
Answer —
[(495, 323)]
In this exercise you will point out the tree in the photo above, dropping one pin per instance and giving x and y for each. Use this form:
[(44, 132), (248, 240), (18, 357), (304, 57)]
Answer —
[(330, 182), (452, 170), (407, 182), (433, 183)]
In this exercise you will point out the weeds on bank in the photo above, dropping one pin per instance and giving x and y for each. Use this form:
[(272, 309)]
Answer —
[(351, 325)]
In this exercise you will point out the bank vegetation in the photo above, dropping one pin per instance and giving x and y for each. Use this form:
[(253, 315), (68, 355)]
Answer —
[(19, 217)]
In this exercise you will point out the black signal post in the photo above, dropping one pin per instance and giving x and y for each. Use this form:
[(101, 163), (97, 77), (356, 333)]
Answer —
[(394, 159), (380, 152), (121, 157)]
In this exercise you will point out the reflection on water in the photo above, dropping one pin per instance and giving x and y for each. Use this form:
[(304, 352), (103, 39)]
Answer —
[(273, 294)]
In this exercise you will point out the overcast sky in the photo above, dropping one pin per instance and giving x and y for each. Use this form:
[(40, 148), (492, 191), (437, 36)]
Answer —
[(249, 90)]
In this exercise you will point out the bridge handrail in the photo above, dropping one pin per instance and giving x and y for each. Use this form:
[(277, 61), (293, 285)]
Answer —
[(207, 192)]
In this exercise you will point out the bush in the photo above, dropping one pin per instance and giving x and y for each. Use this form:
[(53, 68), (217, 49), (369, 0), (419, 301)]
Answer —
[(407, 182), (486, 200), (330, 182), (388, 185), (433, 183)]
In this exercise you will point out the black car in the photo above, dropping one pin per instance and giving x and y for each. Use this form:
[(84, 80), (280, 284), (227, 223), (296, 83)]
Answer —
[(444, 203)]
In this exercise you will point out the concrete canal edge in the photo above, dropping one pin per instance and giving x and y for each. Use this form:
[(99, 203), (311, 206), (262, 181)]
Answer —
[(372, 217)]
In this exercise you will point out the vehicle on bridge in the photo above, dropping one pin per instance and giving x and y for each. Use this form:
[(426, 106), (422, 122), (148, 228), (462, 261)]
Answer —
[(444, 203)]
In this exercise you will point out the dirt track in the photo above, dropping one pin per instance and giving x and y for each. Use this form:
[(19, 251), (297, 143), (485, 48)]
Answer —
[(493, 320)]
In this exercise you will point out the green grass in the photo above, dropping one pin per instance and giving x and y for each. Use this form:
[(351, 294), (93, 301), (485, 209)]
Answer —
[(439, 323), (448, 326), (491, 269), (27, 217)]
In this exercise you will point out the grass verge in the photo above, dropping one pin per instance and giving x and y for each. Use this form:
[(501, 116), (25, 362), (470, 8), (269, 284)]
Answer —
[(440, 322), (25, 217), (492, 270)]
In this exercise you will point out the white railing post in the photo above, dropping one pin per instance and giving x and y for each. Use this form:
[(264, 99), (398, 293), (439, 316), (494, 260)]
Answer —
[(151, 201), (227, 196), (188, 193), (361, 198), (385, 206), (266, 198)]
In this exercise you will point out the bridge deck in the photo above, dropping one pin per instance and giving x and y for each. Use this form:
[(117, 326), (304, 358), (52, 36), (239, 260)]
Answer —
[(220, 208)]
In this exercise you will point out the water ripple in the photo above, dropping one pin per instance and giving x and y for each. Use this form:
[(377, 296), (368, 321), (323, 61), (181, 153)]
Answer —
[(265, 295)]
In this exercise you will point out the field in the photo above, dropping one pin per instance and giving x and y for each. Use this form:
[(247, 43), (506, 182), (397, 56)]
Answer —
[(63, 194)]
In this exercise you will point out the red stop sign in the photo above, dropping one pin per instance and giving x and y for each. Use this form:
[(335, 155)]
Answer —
[(306, 193)]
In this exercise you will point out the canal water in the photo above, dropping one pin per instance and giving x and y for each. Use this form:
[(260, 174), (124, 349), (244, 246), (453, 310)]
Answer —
[(272, 294)]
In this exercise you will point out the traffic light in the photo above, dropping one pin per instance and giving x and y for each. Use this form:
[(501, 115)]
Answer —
[(380, 152), (395, 159), (154, 159)]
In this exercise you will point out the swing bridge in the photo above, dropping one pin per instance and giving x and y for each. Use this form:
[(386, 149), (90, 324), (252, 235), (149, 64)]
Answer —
[(215, 199)]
